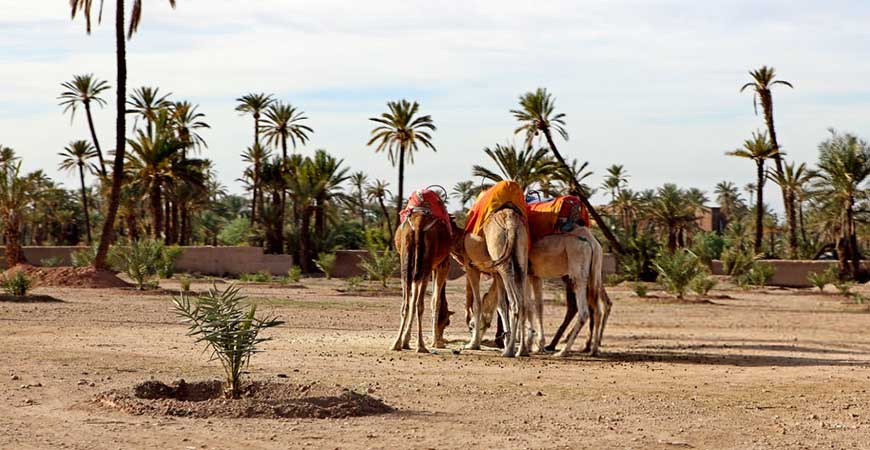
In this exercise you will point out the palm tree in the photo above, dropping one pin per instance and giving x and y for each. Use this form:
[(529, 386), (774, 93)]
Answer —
[(255, 156), (728, 197), (526, 167), (84, 6), (254, 104), (274, 181), (400, 132), (844, 165), (146, 102), (15, 194), (378, 191), (763, 80), (282, 122), (614, 180), (359, 180), (573, 173), (626, 205), (84, 89), (76, 156), (186, 120), (672, 209), (464, 191), (794, 179), (758, 149), (537, 115)]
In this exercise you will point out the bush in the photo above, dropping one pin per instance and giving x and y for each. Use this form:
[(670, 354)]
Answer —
[(380, 265), (184, 281), (53, 261), (235, 232), (759, 274), (844, 287), (83, 258), (702, 284), (637, 261), (294, 274), (708, 246), (640, 289), (822, 279), (168, 257), (17, 284), (141, 260), (678, 269), (613, 279), (326, 263), (737, 261), (231, 332), (259, 277), (354, 283)]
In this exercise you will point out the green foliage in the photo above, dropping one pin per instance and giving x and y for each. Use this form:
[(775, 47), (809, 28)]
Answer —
[(738, 261), (229, 329), (17, 284), (377, 238), (702, 284), (758, 274), (236, 232), (184, 281), (353, 284), (822, 279), (84, 257), (640, 289), (613, 279), (294, 274), (53, 261), (259, 277), (678, 269), (168, 257), (142, 260), (326, 263), (640, 251), (844, 287), (708, 246), (380, 265)]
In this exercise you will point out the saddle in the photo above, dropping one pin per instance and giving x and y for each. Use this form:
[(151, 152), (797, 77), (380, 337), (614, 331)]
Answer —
[(554, 216), (504, 194), (426, 201)]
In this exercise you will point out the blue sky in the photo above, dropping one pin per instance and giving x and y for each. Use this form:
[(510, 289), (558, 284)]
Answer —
[(652, 85)]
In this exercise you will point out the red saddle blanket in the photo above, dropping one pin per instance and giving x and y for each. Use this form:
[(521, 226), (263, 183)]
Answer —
[(424, 198), (544, 216), (491, 200)]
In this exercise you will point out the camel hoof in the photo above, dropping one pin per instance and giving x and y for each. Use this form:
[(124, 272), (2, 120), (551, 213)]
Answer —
[(508, 353), (422, 350), (440, 344), (406, 347), (397, 347), (550, 348), (471, 346), (561, 354)]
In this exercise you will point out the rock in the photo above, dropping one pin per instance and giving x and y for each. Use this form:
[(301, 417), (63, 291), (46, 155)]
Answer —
[(14, 377)]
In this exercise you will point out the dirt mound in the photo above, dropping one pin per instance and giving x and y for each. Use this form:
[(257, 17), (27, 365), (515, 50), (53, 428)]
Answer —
[(80, 277), (260, 399), (29, 299)]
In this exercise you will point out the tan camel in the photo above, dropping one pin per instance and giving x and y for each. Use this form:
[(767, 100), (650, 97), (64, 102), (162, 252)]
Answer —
[(502, 252), (423, 242)]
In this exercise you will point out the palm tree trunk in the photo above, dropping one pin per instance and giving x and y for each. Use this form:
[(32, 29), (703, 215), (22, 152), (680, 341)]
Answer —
[(319, 218), (386, 214), (167, 221), (284, 189), (120, 141), (614, 243), (132, 227), (176, 224), (85, 203), (12, 236), (156, 212), (759, 207), (94, 138), (800, 206), (254, 204), (854, 253), (305, 243), (787, 195), (400, 198)]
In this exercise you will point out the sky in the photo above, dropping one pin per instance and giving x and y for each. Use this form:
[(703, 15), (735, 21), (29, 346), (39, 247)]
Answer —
[(652, 85)]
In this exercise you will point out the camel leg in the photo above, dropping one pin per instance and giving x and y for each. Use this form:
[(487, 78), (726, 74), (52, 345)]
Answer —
[(440, 274), (606, 306), (473, 276), (412, 308), (579, 279), (591, 346), (420, 303), (405, 316), (469, 301), (537, 306), (515, 304), (570, 312)]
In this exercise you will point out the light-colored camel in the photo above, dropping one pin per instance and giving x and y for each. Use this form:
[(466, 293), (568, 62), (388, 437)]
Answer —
[(502, 252), (577, 257), (423, 242)]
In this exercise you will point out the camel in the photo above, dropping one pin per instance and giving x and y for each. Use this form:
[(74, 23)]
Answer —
[(423, 241)]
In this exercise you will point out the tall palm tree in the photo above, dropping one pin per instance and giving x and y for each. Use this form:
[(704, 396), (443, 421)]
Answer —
[(76, 158), (274, 181), (85, 7), (186, 121), (282, 122), (254, 104), (626, 205), (763, 80), (464, 191), (728, 197), (146, 102), (844, 166), (379, 191), (359, 180), (758, 149), (15, 196), (526, 167), (537, 115), (672, 209), (615, 178), (255, 156), (795, 179), (400, 133), (85, 89), (572, 174)]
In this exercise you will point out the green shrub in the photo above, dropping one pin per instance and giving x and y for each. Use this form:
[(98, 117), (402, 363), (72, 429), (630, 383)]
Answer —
[(708, 246), (637, 261), (294, 274), (822, 279), (184, 281), (640, 289), (53, 261), (702, 284), (844, 287), (259, 277), (168, 257), (613, 279), (380, 265), (759, 273), (229, 330), (678, 269), (737, 261), (235, 232), (84, 257), (326, 263), (353, 284), (16, 284), (141, 260)]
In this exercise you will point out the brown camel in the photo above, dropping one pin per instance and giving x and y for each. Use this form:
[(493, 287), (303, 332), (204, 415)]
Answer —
[(423, 241)]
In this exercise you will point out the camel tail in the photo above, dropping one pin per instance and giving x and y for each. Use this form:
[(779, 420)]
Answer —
[(507, 252)]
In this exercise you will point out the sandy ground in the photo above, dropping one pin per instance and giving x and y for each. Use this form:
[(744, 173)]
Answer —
[(762, 369)]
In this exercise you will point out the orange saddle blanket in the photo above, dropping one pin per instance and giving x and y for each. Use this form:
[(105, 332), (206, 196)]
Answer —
[(491, 200), (544, 216)]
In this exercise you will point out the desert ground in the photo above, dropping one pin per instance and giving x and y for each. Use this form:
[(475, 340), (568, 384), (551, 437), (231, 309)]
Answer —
[(761, 368)]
